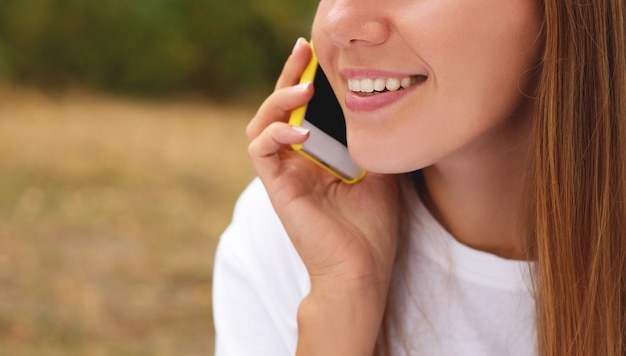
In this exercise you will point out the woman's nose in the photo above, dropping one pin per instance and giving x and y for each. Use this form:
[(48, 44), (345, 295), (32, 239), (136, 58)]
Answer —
[(350, 23)]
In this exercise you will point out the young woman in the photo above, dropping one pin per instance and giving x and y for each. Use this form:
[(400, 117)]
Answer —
[(493, 217)]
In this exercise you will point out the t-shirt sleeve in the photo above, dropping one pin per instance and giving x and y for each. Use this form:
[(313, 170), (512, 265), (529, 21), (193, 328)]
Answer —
[(258, 281)]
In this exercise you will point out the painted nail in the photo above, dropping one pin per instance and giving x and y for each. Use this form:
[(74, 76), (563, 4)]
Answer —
[(298, 42), (301, 130), (302, 86)]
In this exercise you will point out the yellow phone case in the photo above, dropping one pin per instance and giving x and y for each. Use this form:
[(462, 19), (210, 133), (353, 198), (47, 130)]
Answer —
[(297, 117)]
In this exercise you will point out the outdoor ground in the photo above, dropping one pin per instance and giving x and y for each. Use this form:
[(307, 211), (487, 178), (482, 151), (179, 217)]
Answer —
[(110, 211)]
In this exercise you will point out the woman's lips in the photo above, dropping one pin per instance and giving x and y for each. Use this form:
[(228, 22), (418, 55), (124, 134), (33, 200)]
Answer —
[(365, 95)]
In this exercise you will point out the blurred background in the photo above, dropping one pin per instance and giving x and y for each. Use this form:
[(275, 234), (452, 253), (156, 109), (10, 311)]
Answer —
[(122, 152)]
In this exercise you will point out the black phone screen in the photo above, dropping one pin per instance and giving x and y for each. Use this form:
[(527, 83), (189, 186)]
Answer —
[(324, 110)]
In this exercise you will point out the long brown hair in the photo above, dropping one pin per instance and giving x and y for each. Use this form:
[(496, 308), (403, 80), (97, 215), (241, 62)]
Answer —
[(577, 188)]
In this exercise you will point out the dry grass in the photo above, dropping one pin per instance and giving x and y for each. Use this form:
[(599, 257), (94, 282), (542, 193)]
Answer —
[(110, 211)]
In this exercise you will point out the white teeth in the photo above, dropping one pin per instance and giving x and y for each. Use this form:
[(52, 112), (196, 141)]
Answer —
[(393, 84), (406, 82), (380, 84), (354, 85), (367, 86)]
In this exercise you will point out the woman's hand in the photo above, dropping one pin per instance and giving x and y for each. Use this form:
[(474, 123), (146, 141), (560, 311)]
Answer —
[(345, 234)]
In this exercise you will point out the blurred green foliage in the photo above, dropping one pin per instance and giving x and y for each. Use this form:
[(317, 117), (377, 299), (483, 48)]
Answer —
[(150, 47)]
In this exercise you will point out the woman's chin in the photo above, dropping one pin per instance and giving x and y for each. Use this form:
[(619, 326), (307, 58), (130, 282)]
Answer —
[(392, 161), (375, 164)]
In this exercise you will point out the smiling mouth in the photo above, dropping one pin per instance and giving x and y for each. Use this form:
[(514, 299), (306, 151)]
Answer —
[(381, 85)]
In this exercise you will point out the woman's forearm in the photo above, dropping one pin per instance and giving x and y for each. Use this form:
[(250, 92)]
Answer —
[(340, 323)]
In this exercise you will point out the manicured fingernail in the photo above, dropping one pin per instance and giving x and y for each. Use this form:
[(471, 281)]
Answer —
[(301, 130), (298, 42), (302, 86)]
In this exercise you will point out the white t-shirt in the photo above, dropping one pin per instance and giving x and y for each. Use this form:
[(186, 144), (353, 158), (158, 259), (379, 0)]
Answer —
[(453, 300)]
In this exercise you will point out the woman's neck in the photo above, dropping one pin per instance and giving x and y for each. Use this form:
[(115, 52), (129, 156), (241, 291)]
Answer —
[(476, 193)]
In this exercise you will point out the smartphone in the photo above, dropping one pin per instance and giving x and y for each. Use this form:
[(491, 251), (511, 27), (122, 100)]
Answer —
[(326, 145)]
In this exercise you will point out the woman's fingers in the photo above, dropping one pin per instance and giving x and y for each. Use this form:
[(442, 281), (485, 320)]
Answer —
[(272, 139), (265, 149), (278, 106), (268, 131)]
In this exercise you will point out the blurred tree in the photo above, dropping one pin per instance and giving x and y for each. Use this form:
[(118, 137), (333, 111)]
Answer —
[(150, 47)]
